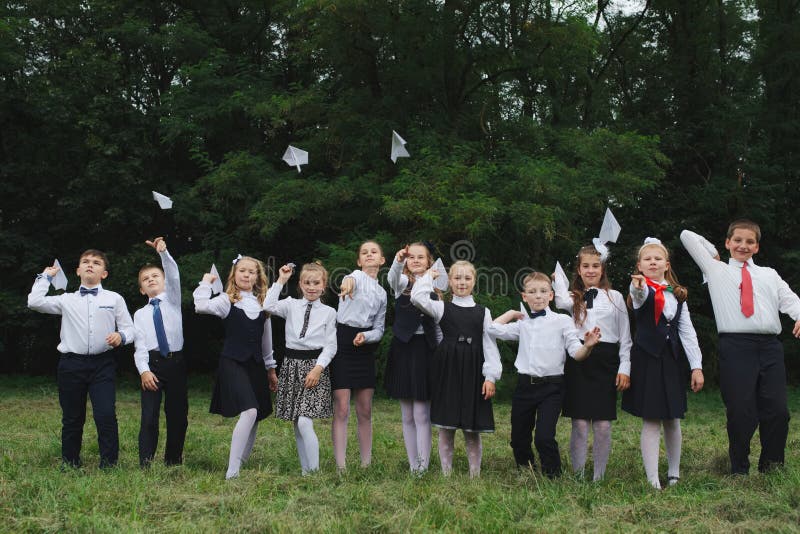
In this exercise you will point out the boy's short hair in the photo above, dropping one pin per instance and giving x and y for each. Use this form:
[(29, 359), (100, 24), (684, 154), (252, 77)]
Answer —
[(536, 276), (745, 224), (147, 267), (96, 253)]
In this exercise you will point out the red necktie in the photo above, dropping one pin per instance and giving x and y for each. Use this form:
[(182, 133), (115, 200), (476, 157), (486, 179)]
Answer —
[(747, 292), (659, 289)]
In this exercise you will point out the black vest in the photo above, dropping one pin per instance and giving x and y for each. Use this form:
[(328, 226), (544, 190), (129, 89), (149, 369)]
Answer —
[(243, 335), (407, 320), (651, 336)]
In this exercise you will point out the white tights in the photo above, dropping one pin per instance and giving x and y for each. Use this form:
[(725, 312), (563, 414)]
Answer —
[(416, 416), (472, 440), (341, 414), (244, 436), (307, 444), (650, 440), (579, 444)]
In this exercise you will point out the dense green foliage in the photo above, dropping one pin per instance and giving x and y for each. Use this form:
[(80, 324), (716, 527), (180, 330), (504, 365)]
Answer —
[(524, 119), (271, 496)]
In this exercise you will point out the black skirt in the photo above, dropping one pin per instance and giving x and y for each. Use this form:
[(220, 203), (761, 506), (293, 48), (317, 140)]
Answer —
[(658, 385), (241, 386), (591, 392), (352, 367), (407, 369)]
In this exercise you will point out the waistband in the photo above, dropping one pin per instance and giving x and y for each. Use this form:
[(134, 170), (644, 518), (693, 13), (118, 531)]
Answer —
[(297, 354), (343, 326), (76, 355), (533, 379), (746, 335), (177, 355)]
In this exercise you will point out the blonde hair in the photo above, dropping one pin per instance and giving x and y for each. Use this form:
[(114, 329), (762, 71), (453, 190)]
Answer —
[(409, 274), (314, 268), (466, 265), (536, 276), (259, 287), (577, 287), (679, 291)]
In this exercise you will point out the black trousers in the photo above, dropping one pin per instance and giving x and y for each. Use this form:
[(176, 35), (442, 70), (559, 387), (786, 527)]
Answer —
[(171, 375), (94, 375), (534, 414), (752, 379)]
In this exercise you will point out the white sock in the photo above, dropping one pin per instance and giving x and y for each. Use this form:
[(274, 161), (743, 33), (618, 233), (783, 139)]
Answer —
[(650, 440), (578, 444), (239, 439), (601, 447), (422, 422), (672, 443)]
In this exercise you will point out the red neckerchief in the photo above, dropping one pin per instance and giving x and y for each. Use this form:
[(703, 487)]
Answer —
[(659, 297)]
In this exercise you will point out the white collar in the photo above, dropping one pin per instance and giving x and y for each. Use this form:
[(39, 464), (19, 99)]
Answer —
[(464, 301)]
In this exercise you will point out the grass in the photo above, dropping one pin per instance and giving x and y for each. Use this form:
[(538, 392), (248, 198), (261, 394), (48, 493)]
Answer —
[(270, 495)]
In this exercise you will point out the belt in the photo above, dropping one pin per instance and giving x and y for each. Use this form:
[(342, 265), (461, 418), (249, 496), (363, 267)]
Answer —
[(76, 355), (552, 379), (297, 354), (170, 355)]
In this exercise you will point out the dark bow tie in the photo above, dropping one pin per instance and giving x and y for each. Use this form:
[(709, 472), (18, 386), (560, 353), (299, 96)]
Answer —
[(92, 292), (589, 296), (534, 315)]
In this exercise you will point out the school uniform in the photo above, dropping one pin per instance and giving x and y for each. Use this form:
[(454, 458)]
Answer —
[(590, 385), (544, 338), (752, 371), (662, 354), (241, 382), (414, 340), (365, 312), (466, 357), (87, 364), (159, 349), (310, 341)]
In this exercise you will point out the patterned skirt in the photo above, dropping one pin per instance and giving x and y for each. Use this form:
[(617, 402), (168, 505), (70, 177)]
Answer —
[(294, 400)]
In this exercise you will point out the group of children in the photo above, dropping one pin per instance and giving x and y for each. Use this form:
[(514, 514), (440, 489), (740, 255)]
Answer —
[(443, 362)]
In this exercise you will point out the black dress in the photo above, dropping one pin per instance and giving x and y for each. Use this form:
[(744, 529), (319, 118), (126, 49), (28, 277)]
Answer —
[(410, 354), (456, 372)]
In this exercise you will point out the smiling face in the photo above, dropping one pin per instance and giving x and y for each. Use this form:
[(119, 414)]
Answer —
[(418, 260), (91, 270), (462, 280), (742, 244), (370, 256), (245, 274), (653, 262), (590, 269), (537, 294), (312, 285), (151, 281)]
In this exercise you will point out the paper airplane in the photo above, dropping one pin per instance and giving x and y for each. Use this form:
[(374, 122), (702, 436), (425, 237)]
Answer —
[(609, 232), (216, 285), (561, 283), (295, 157), (441, 281), (163, 201), (59, 281), (398, 147), (524, 311)]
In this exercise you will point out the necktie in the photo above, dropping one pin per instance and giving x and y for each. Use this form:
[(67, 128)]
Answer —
[(92, 292), (305, 319), (659, 289), (588, 297), (534, 315), (747, 292), (158, 322)]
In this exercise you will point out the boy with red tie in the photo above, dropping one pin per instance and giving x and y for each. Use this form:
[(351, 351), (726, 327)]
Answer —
[(747, 300), (94, 321)]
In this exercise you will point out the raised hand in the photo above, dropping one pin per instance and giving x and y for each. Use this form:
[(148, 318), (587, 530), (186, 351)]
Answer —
[(209, 278), (638, 281), (402, 254), (592, 337), (347, 287), (51, 271), (285, 272), (157, 243)]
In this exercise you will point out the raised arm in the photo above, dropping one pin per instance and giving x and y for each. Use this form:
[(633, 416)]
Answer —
[(38, 299), (398, 282), (172, 277), (421, 298), (203, 303), (703, 253)]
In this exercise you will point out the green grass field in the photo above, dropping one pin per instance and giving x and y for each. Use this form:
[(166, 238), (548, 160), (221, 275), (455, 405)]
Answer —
[(270, 495)]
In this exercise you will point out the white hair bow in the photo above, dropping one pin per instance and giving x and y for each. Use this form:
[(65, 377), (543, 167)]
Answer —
[(236, 259), (651, 241)]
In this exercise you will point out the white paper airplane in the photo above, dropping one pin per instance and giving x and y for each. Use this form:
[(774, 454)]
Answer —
[(561, 283), (164, 201), (295, 157), (441, 281), (398, 147), (59, 281), (609, 232), (216, 285)]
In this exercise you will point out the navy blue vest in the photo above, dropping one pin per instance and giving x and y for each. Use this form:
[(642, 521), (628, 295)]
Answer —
[(651, 336), (243, 335), (407, 319)]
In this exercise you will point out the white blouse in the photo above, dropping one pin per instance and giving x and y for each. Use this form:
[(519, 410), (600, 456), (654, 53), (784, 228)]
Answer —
[(366, 308)]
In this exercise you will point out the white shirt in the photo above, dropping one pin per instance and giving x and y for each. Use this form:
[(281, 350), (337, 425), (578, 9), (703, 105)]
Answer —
[(321, 330), (421, 298), (610, 314), (771, 294), (367, 307), (542, 342), (221, 307), (170, 305), (398, 282), (85, 321), (685, 327)]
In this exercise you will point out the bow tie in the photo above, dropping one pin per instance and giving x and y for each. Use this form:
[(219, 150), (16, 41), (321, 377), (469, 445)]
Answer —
[(589, 296), (92, 292), (534, 315)]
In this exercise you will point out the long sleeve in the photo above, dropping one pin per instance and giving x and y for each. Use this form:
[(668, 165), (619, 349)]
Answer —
[(398, 282), (329, 349), (203, 303), (638, 296), (492, 367), (38, 299), (141, 356), (172, 278), (272, 304), (506, 332), (563, 297), (266, 345), (625, 340), (701, 250), (421, 298), (124, 321), (689, 339), (788, 301), (571, 340), (375, 334)]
